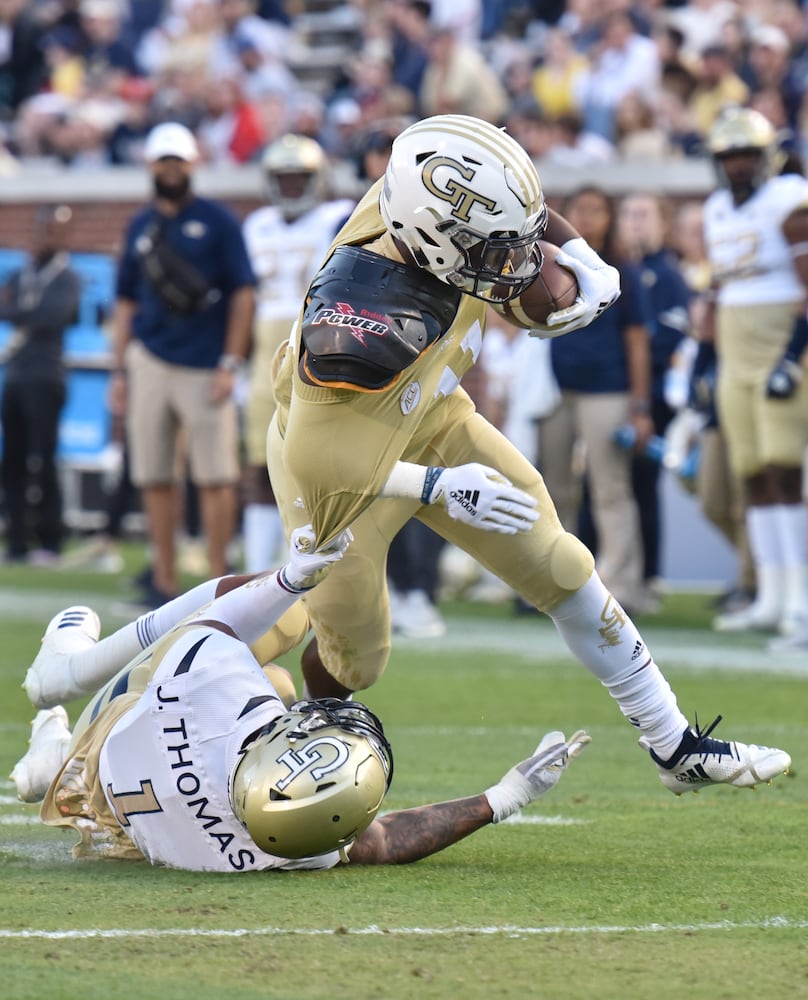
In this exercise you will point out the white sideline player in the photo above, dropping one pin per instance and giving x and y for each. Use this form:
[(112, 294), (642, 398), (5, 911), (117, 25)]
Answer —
[(756, 235), (189, 757), (287, 240)]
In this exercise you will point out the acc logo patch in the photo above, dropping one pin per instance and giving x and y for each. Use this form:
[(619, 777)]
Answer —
[(410, 398)]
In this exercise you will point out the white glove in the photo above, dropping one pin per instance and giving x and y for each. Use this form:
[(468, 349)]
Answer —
[(478, 495), (681, 434), (536, 775), (308, 566), (598, 288)]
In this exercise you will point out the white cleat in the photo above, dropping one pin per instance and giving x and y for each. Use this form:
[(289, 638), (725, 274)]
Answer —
[(790, 645), (47, 752), (413, 615), (49, 680), (752, 618), (700, 761)]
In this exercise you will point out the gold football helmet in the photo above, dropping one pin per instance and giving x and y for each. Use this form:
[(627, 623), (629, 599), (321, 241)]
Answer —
[(312, 780), (739, 130), (295, 170), (744, 130)]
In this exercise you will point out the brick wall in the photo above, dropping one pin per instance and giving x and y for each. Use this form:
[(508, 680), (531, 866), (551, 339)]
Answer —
[(98, 226)]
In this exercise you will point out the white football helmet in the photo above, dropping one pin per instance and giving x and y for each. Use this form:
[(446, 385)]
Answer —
[(312, 780), (295, 170), (466, 200)]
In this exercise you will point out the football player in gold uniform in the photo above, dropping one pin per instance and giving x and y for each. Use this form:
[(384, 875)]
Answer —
[(372, 427)]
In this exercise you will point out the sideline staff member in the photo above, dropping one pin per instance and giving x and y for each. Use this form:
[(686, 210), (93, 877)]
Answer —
[(183, 324)]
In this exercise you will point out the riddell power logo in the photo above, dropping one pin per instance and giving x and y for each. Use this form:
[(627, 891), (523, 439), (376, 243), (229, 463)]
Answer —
[(357, 323)]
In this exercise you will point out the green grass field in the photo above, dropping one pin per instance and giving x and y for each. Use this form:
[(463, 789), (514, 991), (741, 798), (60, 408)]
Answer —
[(610, 887)]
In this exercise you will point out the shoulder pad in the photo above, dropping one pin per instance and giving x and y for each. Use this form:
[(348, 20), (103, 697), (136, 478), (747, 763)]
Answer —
[(368, 318)]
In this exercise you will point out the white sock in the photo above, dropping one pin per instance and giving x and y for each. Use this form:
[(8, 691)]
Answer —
[(94, 666), (792, 527), (600, 634), (263, 535), (765, 544), (251, 610)]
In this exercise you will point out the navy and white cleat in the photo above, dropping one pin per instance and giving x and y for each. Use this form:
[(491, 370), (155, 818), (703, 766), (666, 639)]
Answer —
[(49, 680), (700, 761)]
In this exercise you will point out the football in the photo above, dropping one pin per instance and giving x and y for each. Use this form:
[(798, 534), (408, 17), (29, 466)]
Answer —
[(553, 288)]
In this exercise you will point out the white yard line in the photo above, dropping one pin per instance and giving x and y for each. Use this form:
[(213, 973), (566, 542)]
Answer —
[(767, 923)]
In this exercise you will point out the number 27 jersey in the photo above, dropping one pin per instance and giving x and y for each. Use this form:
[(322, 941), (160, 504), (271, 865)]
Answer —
[(749, 255)]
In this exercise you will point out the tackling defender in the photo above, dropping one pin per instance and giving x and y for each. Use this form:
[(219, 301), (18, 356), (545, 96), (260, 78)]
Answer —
[(190, 757), (372, 427)]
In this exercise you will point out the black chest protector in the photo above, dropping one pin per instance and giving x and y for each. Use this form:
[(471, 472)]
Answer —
[(369, 318)]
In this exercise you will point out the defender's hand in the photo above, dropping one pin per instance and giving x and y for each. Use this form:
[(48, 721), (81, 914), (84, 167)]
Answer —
[(483, 497), (536, 775), (308, 566)]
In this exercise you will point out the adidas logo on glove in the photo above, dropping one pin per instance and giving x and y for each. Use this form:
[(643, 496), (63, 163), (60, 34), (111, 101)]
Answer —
[(468, 499)]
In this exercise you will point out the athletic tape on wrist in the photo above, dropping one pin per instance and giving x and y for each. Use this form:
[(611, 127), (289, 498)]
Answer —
[(286, 583), (433, 474), (504, 801)]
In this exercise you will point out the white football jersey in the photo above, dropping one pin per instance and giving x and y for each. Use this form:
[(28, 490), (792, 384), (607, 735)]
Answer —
[(749, 255), (165, 765), (286, 255)]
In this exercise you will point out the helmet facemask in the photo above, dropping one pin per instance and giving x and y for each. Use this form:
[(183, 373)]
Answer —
[(465, 200), (744, 132), (295, 168), (497, 267), (742, 186)]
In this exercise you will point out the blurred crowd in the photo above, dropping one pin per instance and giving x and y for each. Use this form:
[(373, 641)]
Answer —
[(83, 81)]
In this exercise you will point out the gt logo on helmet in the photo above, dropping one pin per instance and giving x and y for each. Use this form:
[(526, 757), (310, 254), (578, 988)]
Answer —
[(462, 198), (299, 761)]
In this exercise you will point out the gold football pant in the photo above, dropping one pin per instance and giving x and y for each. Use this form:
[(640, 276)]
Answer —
[(349, 610), (759, 431)]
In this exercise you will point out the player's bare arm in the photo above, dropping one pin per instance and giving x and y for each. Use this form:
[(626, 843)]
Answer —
[(559, 231), (412, 834)]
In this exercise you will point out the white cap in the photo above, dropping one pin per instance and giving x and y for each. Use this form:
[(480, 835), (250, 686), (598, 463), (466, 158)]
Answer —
[(769, 36), (170, 139), (100, 8)]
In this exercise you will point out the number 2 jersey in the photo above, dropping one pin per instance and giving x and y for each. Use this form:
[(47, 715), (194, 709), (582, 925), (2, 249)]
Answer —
[(285, 255)]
